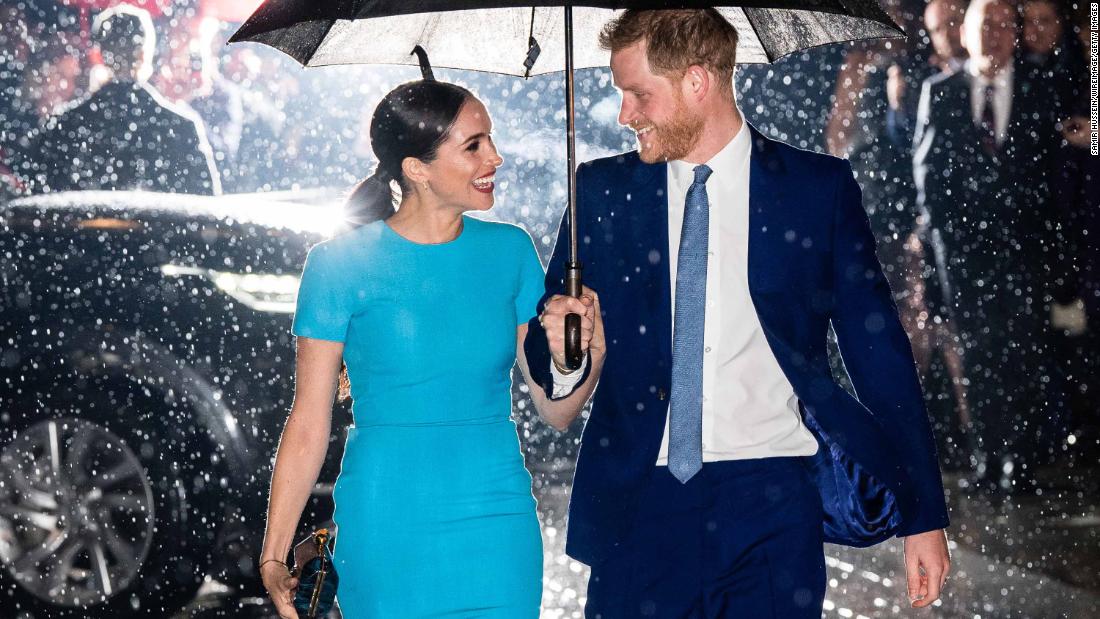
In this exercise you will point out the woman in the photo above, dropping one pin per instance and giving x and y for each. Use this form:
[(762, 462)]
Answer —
[(428, 310)]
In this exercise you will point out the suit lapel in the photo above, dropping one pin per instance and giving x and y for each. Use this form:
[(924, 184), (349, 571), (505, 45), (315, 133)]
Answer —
[(649, 205), (766, 193)]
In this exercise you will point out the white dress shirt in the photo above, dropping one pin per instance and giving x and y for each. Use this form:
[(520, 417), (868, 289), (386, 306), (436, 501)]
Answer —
[(749, 407), (1002, 98)]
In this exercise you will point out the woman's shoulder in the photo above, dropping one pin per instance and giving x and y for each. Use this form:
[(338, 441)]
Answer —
[(347, 245), (500, 231)]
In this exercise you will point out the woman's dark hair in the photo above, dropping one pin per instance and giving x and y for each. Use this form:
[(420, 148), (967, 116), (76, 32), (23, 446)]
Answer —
[(411, 121)]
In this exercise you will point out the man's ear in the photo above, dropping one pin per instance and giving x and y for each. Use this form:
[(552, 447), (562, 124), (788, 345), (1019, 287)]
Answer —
[(696, 83)]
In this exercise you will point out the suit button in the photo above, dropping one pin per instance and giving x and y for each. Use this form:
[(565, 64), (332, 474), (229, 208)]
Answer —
[(661, 395)]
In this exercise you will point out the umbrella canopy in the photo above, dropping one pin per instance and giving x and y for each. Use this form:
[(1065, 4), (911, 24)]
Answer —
[(496, 37)]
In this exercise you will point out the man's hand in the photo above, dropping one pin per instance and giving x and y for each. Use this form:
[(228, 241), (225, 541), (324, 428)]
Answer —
[(927, 562), (895, 87), (553, 316), (1077, 130), (1070, 318)]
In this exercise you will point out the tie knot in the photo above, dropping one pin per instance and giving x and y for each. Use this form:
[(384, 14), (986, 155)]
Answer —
[(702, 173)]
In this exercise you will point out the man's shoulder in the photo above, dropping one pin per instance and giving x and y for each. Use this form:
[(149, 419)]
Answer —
[(612, 165), (797, 160), (947, 81), (180, 113)]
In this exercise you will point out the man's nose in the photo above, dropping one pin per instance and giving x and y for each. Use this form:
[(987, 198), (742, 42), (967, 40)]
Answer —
[(626, 113)]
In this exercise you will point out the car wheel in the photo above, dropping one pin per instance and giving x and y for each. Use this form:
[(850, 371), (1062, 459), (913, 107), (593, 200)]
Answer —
[(100, 512)]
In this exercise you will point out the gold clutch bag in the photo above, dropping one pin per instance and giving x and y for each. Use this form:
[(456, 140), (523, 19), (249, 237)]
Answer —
[(317, 578)]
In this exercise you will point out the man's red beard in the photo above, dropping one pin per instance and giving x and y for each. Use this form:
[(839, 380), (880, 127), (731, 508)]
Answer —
[(673, 139)]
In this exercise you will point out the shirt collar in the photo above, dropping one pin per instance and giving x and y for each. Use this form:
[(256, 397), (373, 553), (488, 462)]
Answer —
[(1000, 80)]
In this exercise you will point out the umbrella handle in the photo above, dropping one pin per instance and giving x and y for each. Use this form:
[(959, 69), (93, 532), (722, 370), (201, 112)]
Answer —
[(573, 353)]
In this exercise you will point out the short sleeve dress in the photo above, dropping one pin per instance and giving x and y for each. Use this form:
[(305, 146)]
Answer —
[(433, 504)]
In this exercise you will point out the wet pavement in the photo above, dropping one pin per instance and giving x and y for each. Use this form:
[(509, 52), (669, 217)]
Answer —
[(1027, 558)]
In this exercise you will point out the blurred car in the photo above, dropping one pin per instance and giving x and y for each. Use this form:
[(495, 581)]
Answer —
[(146, 370)]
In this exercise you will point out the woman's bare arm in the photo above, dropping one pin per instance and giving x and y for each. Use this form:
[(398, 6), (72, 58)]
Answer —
[(301, 450)]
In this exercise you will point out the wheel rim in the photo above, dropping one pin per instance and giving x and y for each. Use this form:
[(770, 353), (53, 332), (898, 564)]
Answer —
[(76, 512)]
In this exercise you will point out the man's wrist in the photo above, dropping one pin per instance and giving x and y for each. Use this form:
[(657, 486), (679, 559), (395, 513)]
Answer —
[(562, 370)]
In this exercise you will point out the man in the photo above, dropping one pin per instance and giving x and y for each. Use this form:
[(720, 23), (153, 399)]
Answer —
[(981, 148), (125, 135), (1042, 30), (943, 21), (1051, 58), (720, 454)]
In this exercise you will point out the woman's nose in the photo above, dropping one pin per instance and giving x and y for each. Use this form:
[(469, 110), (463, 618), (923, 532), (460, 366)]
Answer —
[(495, 159)]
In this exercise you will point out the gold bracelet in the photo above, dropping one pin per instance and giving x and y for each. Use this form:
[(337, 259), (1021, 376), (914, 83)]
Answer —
[(263, 563), (566, 371)]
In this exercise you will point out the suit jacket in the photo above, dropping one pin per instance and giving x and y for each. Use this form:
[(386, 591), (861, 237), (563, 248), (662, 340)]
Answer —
[(125, 136), (989, 219), (811, 264)]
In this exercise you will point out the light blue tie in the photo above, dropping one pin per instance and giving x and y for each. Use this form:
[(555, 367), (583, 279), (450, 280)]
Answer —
[(685, 435)]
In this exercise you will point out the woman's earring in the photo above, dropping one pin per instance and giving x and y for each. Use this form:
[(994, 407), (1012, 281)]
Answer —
[(425, 185)]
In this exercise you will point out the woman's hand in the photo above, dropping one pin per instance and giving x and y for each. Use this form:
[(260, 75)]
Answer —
[(553, 322), (280, 586)]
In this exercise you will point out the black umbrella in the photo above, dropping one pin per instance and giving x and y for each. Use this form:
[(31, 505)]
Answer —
[(511, 36)]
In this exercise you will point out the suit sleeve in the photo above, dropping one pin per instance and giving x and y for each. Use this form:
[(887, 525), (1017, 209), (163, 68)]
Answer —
[(878, 356), (535, 346)]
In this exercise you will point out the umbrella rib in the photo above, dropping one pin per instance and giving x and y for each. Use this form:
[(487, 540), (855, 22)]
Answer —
[(752, 24)]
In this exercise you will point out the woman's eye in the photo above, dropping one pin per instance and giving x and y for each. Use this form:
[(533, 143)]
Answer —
[(473, 146)]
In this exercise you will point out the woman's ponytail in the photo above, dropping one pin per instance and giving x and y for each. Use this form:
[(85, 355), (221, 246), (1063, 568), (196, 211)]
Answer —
[(373, 199)]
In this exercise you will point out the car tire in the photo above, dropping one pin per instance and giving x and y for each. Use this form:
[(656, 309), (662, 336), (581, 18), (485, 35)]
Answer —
[(107, 506)]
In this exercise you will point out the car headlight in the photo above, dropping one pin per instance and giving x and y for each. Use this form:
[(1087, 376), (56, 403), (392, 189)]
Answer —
[(263, 292)]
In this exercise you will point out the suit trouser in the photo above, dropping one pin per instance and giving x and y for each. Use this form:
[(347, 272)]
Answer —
[(742, 538)]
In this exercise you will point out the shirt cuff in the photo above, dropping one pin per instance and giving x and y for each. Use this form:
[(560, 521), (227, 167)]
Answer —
[(564, 383)]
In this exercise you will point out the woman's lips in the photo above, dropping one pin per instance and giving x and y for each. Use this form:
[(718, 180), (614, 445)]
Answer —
[(485, 184)]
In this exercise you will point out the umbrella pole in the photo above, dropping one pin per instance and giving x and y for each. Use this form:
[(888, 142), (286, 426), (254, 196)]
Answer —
[(573, 353)]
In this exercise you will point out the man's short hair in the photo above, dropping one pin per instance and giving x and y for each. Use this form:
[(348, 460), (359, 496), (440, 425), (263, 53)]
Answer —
[(121, 32), (677, 39), (975, 8)]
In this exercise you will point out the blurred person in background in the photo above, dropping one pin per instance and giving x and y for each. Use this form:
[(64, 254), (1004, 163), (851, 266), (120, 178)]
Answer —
[(125, 135), (999, 253), (217, 101), (16, 120), (871, 126), (943, 21), (1051, 55), (1077, 194), (51, 81)]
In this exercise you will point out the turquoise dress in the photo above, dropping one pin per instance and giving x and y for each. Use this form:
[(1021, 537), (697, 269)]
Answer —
[(434, 511)]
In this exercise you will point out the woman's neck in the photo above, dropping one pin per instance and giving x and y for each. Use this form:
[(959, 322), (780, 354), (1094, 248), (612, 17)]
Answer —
[(421, 223)]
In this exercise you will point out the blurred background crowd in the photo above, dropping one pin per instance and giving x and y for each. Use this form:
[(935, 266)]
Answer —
[(969, 139)]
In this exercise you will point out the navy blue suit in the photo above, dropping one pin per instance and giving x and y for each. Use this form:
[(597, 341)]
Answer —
[(811, 264)]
